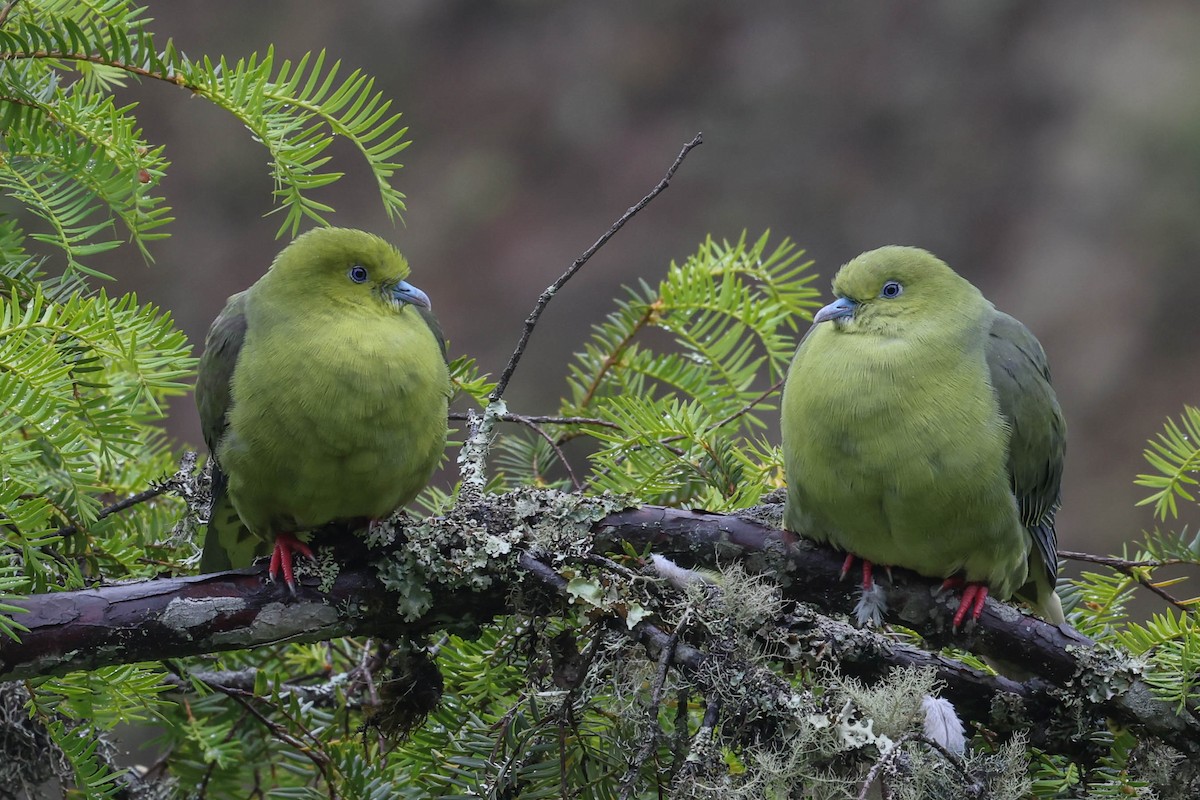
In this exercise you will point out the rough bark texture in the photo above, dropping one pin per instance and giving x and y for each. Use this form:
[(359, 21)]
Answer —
[(175, 617), (1077, 685)]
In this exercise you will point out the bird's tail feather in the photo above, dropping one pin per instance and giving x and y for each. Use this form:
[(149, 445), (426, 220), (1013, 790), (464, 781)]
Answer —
[(228, 543)]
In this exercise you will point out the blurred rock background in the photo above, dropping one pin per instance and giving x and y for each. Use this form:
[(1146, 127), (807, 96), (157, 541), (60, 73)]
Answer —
[(1048, 151)]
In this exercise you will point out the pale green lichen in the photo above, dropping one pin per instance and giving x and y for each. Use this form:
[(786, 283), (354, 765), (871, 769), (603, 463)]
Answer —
[(1103, 672), (559, 525), (402, 575), (495, 546), (380, 536), (478, 543), (895, 703), (327, 569)]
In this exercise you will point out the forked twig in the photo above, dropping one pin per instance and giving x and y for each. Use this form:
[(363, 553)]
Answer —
[(558, 452), (1132, 570)]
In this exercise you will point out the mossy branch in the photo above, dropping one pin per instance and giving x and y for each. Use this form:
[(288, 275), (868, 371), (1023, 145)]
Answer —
[(490, 557)]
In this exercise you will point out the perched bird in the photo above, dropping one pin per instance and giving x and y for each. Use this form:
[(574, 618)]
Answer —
[(322, 395), (920, 430)]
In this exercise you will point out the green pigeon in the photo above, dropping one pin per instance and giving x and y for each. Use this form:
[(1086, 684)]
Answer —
[(322, 395), (920, 430)]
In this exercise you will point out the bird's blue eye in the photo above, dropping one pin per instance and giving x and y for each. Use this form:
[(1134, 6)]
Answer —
[(891, 289), (358, 274)]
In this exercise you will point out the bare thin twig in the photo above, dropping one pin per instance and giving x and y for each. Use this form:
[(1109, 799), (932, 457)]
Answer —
[(1132, 569), (244, 698), (187, 465), (744, 410), (1120, 563), (578, 263), (119, 506), (558, 452)]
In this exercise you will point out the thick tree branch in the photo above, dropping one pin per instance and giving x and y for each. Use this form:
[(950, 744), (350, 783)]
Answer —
[(177, 617), (1077, 681)]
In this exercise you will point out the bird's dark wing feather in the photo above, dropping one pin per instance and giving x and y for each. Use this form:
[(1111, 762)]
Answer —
[(1021, 378), (213, 400), (432, 322), (221, 349)]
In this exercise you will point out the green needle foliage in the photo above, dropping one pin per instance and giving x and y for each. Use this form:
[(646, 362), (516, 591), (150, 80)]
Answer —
[(681, 380), (76, 160), (1175, 457)]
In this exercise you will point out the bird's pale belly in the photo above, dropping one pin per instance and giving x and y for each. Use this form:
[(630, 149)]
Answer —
[(931, 514), (305, 472)]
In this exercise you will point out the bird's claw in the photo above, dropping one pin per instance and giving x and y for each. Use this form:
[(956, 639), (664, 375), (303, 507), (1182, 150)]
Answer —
[(868, 579), (281, 558), (872, 603), (868, 570), (973, 597)]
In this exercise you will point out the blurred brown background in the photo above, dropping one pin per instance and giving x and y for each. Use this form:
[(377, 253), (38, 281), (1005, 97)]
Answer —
[(1050, 152)]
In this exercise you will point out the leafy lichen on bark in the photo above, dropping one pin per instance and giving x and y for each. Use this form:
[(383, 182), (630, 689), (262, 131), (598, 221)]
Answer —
[(477, 545)]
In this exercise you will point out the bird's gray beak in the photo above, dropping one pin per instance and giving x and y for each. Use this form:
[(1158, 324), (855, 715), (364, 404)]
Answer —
[(841, 308), (405, 292)]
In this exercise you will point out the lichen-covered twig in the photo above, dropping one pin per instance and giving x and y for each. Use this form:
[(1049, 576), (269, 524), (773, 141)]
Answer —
[(541, 419)]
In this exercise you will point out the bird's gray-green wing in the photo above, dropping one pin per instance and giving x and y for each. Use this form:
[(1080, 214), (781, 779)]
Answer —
[(1038, 434), (436, 329), (221, 349), (226, 533)]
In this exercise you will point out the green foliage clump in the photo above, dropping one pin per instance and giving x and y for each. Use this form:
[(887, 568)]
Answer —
[(675, 387)]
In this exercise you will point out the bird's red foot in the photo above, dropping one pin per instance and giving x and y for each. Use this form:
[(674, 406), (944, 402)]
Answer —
[(868, 579), (973, 597), (281, 557)]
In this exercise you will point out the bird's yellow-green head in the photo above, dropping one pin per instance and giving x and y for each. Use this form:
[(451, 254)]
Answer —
[(344, 267), (886, 291)]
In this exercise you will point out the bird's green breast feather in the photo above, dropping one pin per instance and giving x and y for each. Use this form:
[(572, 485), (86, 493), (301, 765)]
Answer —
[(896, 452), (333, 415)]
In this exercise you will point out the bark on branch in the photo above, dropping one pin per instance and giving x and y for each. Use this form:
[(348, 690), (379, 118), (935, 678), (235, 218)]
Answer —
[(1076, 685)]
